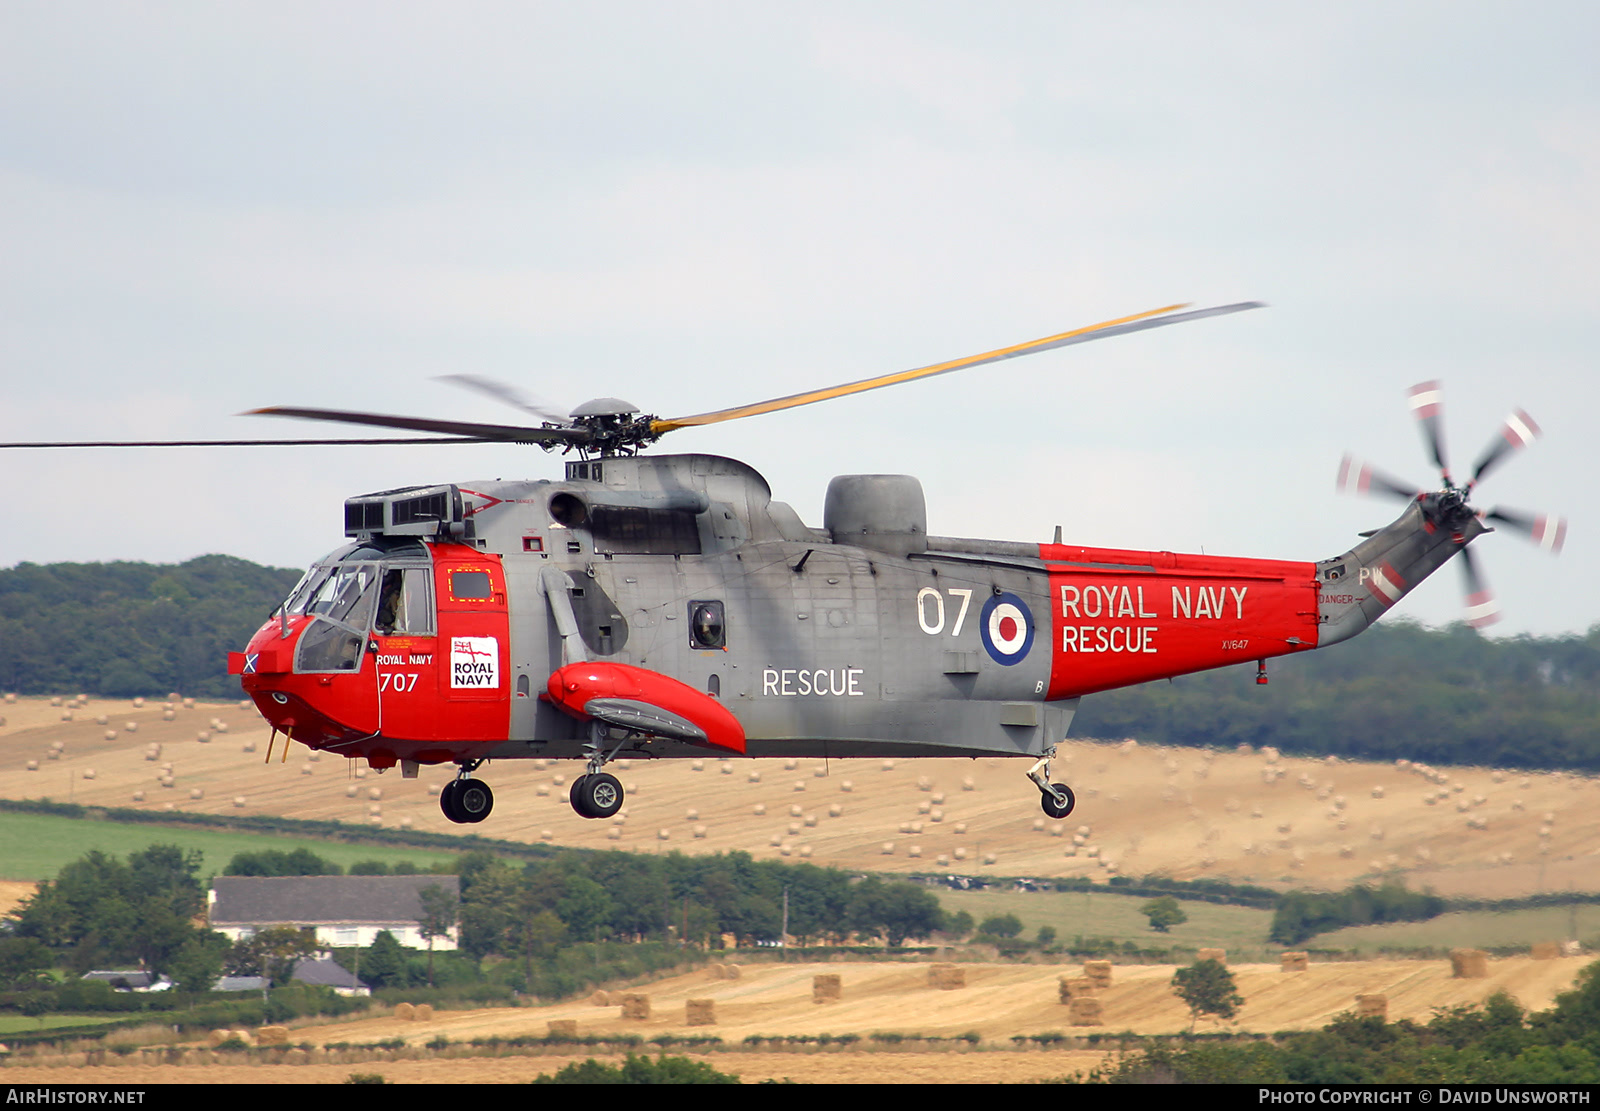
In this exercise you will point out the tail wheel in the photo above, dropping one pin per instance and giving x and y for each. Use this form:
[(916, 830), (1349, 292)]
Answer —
[(1058, 809), (597, 796), (473, 800)]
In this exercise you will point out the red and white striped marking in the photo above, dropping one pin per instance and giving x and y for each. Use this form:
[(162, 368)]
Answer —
[(1386, 585), (1355, 477), (1550, 533), (1520, 429), (1482, 609), (1425, 399)]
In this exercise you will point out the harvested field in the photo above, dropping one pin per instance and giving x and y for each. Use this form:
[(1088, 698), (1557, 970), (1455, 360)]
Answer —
[(1248, 817), (1000, 1001)]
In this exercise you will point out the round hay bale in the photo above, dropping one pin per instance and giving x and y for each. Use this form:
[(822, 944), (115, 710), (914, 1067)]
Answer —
[(196, 793), (1469, 964), (663, 835), (887, 848), (238, 801), (698, 765), (846, 786), (203, 737), (131, 727), (405, 1012), (760, 809), (350, 791), (754, 777), (600, 998), (835, 810), (700, 831), (88, 773), (138, 796)]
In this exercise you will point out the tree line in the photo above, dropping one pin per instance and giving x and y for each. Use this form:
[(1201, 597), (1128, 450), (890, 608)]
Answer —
[(1399, 690), (127, 629)]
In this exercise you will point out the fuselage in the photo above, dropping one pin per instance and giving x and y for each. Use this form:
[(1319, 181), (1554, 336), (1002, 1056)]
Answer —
[(432, 635)]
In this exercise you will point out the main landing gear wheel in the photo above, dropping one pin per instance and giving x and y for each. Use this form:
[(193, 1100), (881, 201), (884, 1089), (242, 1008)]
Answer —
[(466, 801), (1058, 809), (596, 795)]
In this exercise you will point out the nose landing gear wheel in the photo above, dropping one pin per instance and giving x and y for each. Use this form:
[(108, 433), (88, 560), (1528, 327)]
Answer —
[(597, 795), (1058, 809)]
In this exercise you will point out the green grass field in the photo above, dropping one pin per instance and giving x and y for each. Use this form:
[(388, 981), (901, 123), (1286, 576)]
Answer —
[(35, 846), (1475, 929), (1240, 930)]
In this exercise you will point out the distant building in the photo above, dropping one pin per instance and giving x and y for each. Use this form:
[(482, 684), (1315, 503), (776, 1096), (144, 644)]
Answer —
[(240, 983), (130, 980), (346, 911), (324, 972)]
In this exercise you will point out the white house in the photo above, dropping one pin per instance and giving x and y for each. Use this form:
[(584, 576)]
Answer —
[(344, 910)]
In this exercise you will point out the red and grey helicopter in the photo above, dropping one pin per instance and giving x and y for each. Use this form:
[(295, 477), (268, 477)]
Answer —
[(664, 606)]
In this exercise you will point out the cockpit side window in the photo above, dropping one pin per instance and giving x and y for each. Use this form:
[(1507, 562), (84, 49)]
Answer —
[(405, 602)]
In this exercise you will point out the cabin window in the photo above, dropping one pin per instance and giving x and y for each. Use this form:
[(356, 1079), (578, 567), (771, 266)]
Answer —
[(707, 627), (470, 585)]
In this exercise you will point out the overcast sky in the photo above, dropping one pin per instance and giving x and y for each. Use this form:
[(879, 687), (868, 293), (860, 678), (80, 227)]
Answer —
[(210, 207)]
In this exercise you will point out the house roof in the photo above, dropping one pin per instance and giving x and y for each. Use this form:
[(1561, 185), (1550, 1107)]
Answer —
[(321, 900), (325, 972)]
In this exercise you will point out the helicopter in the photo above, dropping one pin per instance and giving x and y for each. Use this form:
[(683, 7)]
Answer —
[(666, 606)]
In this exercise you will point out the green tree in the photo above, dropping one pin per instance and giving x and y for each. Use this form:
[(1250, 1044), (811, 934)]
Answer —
[(1164, 913), (440, 910), (1001, 925), (272, 953), (383, 963), (639, 1070), (1207, 987)]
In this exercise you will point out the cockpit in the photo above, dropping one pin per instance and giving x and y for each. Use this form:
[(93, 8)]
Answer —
[(376, 586)]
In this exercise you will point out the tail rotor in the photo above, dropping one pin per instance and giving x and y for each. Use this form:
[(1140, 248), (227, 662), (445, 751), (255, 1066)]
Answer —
[(1451, 501)]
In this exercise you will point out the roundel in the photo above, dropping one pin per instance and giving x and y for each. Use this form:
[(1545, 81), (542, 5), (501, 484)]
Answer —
[(1007, 629)]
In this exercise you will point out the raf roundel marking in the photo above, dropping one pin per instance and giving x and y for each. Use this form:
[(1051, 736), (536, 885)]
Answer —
[(1006, 626)]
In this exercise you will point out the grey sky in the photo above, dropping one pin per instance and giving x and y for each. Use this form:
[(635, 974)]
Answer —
[(206, 208)]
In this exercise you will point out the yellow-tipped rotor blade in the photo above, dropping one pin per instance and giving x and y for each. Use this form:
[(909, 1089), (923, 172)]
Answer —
[(1154, 318)]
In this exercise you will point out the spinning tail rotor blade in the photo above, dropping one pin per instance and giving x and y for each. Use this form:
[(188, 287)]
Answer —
[(1518, 432), (1482, 609), (1426, 402), (1549, 532), (1356, 477)]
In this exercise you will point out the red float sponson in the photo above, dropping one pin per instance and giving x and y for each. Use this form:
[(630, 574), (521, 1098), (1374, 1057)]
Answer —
[(645, 701)]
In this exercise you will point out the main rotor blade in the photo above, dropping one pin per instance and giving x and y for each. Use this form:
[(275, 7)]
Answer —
[(1482, 609), (1155, 318), (505, 433), (1426, 401), (503, 392), (1516, 433), (1549, 532), (1356, 477), (253, 443)]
